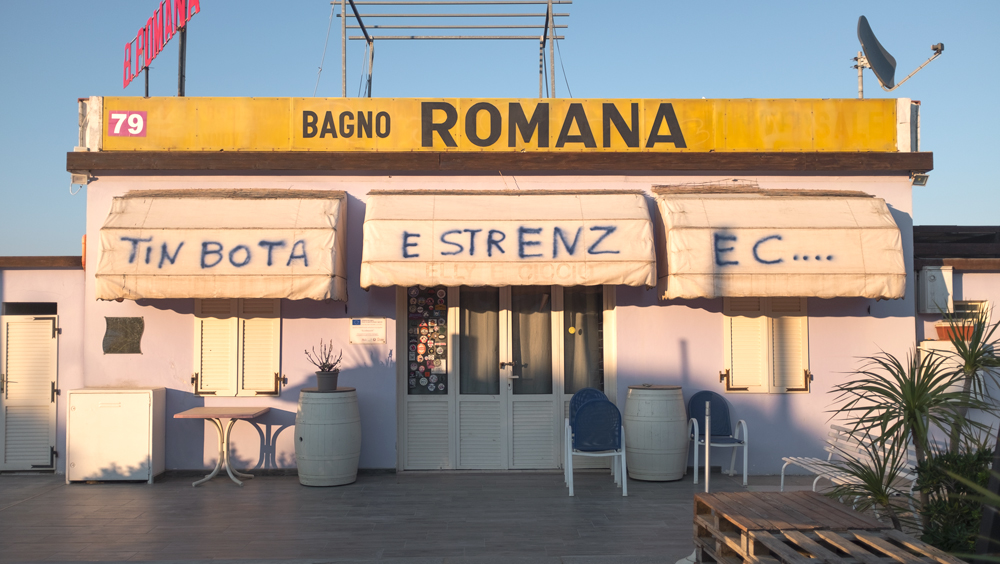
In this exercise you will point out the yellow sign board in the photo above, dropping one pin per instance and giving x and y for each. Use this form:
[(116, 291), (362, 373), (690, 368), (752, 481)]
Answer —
[(497, 124)]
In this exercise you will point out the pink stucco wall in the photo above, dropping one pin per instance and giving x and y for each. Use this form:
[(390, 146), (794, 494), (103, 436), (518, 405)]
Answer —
[(677, 342), (64, 287)]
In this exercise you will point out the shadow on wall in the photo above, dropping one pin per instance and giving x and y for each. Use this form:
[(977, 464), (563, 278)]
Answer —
[(119, 473), (185, 439), (376, 403), (269, 427)]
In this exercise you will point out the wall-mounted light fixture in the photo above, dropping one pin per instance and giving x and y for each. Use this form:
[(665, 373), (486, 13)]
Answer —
[(919, 178)]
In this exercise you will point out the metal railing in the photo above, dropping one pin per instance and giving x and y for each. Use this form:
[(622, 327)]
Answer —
[(546, 37)]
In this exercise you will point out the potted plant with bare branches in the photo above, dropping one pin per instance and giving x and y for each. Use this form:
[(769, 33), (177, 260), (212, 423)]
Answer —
[(329, 367)]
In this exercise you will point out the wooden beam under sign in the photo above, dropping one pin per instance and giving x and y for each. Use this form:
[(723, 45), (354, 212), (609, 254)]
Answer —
[(491, 162), (41, 262), (957, 250), (960, 264)]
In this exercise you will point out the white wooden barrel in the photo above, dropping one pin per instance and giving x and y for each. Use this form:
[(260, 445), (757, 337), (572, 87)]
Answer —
[(327, 437), (656, 439)]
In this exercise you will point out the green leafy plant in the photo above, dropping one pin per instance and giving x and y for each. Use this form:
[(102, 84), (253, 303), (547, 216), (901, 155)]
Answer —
[(990, 499), (324, 358), (953, 509)]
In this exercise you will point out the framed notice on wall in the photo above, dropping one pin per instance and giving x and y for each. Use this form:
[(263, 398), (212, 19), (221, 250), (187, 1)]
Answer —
[(367, 331)]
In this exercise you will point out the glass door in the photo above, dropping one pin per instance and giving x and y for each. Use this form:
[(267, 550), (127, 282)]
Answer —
[(532, 410), (480, 415), (507, 411)]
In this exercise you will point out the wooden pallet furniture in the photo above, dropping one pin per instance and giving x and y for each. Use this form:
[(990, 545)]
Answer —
[(798, 528)]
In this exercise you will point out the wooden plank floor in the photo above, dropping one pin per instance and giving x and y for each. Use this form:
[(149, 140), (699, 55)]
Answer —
[(426, 518)]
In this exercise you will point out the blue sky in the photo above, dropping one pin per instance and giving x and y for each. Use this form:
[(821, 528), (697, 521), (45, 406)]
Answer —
[(53, 52)]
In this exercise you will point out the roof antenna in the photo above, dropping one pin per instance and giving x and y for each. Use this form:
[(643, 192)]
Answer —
[(883, 64)]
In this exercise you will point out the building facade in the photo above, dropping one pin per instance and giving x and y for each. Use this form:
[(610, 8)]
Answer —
[(478, 261)]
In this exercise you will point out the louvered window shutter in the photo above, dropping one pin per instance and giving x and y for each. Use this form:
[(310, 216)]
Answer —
[(215, 346), (260, 347), (746, 344), (789, 345)]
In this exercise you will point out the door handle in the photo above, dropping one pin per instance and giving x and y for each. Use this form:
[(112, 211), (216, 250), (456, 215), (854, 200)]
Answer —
[(5, 383)]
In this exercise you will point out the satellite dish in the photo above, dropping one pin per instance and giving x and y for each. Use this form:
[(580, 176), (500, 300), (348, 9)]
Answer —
[(881, 62)]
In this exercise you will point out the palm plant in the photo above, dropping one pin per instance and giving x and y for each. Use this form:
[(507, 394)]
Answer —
[(975, 356), (873, 481), (905, 399), (901, 401)]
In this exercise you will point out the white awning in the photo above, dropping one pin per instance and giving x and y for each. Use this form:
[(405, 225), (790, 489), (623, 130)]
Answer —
[(479, 238), (224, 244), (779, 243)]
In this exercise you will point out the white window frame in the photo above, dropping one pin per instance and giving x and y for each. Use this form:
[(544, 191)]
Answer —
[(968, 310), (231, 322), (753, 325)]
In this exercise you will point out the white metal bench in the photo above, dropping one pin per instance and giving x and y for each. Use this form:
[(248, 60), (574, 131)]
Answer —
[(842, 442)]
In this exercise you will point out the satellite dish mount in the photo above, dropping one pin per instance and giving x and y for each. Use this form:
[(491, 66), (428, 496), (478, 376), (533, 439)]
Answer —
[(876, 58)]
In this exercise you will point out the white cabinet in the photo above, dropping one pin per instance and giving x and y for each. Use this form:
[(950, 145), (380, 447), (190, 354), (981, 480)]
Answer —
[(115, 434)]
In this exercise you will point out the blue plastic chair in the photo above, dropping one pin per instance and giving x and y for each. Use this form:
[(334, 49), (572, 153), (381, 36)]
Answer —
[(579, 398), (582, 397), (721, 434), (597, 431)]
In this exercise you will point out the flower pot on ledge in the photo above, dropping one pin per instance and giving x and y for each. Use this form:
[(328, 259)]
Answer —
[(944, 331), (327, 381)]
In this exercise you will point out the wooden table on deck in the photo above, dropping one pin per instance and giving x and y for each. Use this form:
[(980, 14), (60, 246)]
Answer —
[(799, 528), (216, 415)]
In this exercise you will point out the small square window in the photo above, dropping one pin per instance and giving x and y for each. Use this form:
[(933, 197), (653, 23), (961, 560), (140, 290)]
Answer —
[(123, 335)]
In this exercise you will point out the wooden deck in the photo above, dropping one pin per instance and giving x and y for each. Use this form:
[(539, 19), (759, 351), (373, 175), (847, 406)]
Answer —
[(415, 517), (798, 528)]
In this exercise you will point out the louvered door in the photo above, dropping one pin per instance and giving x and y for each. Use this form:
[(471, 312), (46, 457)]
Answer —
[(27, 401)]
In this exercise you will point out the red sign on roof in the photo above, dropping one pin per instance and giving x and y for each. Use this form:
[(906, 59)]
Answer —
[(171, 17)]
